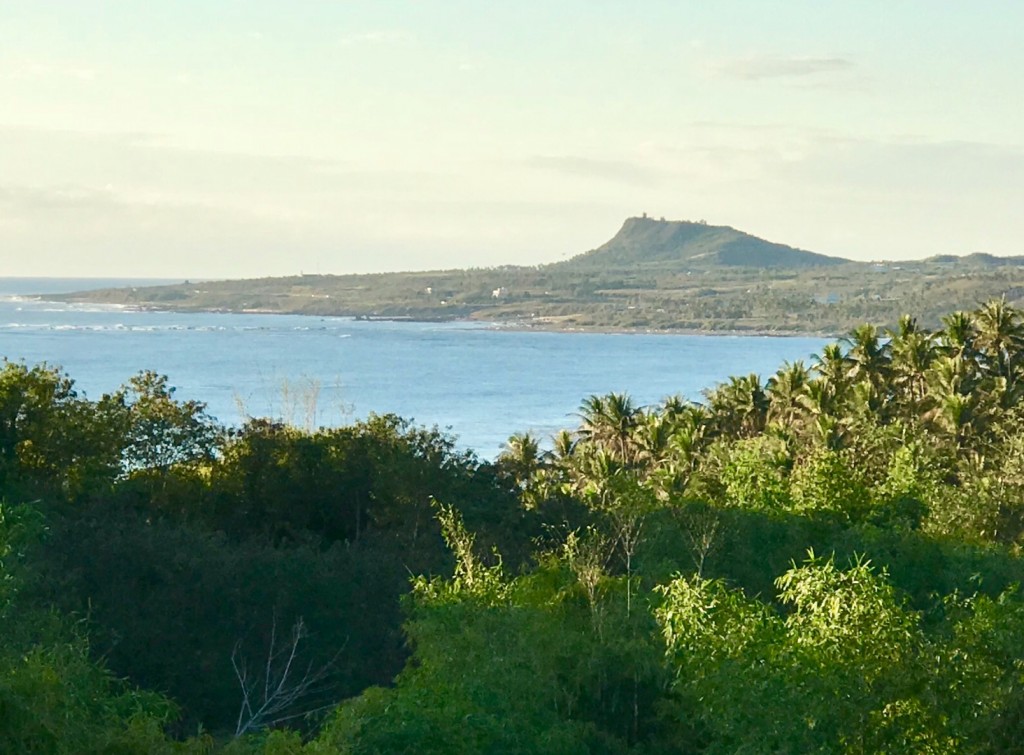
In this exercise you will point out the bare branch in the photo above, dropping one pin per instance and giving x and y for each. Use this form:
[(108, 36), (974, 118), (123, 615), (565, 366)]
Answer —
[(283, 692)]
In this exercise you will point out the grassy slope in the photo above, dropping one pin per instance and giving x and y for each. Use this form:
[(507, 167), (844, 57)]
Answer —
[(674, 246)]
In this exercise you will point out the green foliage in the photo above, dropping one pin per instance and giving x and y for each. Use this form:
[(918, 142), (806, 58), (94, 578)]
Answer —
[(53, 697), (825, 482), (754, 473), (161, 431), (841, 672), (377, 475), (638, 607), (912, 479), (53, 444), (168, 603), (514, 665)]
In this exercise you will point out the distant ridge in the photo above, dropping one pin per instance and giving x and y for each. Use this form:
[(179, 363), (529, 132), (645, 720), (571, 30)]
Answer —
[(977, 259), (670, 244)]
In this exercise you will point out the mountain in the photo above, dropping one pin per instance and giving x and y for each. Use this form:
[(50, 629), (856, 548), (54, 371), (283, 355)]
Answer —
[(677, 244)]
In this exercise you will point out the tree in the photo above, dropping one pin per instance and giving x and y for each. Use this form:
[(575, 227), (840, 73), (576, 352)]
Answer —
[(959, 335), (868, 359), (740, 406), (53, 443), (162, 431), (784, 390), (954, 401), (841, 672), (608, 422), (913, 352), (520, 459), (53, 697)]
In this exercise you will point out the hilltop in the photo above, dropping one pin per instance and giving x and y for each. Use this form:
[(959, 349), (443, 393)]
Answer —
[(679, 244), (654, 275), (977, 259)]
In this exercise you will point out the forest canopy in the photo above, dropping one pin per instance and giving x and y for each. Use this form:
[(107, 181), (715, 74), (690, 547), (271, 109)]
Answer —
[(825, 559)]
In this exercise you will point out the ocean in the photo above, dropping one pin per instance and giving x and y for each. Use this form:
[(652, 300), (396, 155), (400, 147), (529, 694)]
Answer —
[(480, 382)]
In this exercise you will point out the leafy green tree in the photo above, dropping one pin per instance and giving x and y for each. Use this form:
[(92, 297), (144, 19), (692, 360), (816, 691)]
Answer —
[(487, 676), (957, 407), (959, 335), (755, 474), (824, 482), (53, 444), (162, 431), (53, 698), (521, 459), (840, 673), (833, 368)]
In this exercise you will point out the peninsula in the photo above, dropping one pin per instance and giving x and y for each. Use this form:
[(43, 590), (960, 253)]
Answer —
[(654, 274)]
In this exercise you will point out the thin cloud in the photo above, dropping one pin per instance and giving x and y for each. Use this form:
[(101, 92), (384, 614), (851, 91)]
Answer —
[(587, 167), (22, 138), (79, 198), (33, 69), (378, 37), (94, 211), (35, 199), (778, 67)]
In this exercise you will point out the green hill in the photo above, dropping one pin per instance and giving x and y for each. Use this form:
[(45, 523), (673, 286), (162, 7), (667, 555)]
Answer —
[(673, 244), (976, 259)]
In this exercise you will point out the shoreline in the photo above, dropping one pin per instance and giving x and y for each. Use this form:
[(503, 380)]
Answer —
[(640, 330), (540, 325)]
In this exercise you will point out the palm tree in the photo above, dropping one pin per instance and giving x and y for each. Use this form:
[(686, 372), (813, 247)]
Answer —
[(597, 476), (688, 441), (784, 390), (952, 374), (740, 406), (954, 401), (609, 421), (563, 444), (674, 407), (651, 439), (913, 351), (521, 458), (833, 367), (868, 357), (959, 334), (1000, 338), (823, 408)]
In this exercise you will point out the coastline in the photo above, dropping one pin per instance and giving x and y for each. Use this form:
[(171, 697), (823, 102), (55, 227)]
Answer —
[(538, 325), (641, 330)]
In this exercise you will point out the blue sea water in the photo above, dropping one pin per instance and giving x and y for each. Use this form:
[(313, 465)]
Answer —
[(481, 382)]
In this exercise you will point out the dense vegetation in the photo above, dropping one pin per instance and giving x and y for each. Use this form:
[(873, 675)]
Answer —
[(654, 274), (824, 561)]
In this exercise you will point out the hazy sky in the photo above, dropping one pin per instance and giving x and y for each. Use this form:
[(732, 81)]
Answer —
[(227, 138)]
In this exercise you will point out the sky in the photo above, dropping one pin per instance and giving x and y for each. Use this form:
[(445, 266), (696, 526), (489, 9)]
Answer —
[(221, 138)]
